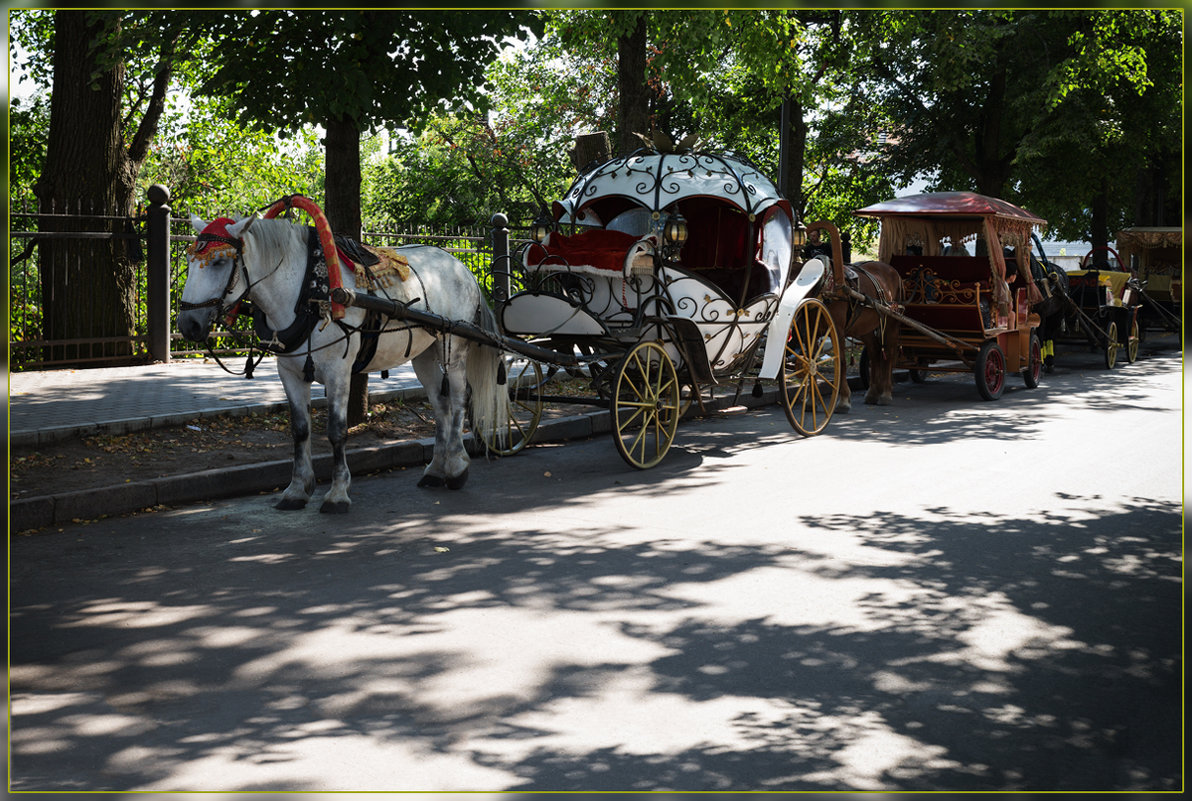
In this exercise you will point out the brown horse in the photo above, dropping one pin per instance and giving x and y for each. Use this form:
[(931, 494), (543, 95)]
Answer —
[(856, 318)]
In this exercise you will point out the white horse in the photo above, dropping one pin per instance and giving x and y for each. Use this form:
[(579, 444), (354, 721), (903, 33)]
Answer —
[(265, 261)]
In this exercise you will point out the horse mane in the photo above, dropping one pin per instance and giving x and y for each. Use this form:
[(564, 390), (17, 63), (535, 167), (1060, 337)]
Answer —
[(277, 238)]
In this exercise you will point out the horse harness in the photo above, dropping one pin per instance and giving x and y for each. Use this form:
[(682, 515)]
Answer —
[(852, 279), (311, 306)]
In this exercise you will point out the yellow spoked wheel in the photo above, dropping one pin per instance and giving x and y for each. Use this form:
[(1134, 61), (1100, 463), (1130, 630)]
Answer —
[(645, 405), (1112, 346), (524, 379), (1132, 341), (812, 369)]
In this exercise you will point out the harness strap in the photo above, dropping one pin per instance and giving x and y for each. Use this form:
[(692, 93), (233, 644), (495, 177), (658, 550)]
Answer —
[(202, 239), (249, 364), (879, 299), (289, 338), (306, 315)]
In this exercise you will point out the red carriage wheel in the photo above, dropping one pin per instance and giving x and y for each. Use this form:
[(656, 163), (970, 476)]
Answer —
[(1034, 365), (990, 370)]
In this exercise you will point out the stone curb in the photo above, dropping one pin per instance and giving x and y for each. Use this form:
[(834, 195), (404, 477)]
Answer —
[(30, 514)]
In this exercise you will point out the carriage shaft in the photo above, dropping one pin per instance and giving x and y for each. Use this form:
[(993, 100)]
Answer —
[(436, 322), (939, 336)]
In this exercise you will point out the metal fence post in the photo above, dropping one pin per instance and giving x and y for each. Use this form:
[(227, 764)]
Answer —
[(157, 234), (501, 268)]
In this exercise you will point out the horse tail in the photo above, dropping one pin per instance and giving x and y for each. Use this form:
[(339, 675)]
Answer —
[(490, 398)]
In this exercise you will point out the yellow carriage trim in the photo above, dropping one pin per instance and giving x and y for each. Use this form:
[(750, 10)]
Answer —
[(1113, 280)]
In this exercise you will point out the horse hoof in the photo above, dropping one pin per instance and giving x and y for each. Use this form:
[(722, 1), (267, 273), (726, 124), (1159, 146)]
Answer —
[(290, 504), (335, 507), (458, 481), (434, 482)]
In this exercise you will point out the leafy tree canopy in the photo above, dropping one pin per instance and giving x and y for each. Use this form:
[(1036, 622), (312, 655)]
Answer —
[(287, 69), (999, 101)]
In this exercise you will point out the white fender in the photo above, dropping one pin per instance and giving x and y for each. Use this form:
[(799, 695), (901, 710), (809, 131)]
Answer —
[(807, 280)]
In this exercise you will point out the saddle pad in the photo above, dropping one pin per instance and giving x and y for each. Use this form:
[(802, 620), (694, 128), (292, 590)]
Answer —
[(390, 268)]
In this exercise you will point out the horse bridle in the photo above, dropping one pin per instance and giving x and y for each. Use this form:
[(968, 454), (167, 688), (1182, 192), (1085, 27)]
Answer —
[(201, 242)]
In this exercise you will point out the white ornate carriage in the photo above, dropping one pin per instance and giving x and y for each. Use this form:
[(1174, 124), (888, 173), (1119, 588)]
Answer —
[(665, 273)]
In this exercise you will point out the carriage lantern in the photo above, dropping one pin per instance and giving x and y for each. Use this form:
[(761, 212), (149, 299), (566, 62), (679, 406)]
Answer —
[(799, 236), (540, 228), (675, 231)]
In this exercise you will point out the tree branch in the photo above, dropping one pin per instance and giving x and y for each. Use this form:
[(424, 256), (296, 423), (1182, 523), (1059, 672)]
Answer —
[(157, 104), (953, 145), (476, 168)]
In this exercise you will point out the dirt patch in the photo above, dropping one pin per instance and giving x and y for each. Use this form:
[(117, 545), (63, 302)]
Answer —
[(104, 460), (93, 462)]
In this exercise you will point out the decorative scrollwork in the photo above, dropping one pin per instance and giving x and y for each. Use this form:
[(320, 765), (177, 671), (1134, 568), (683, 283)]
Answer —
[(925, 286), (658, 178)]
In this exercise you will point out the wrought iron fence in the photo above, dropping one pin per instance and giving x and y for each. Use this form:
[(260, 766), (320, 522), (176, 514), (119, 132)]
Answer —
[(39, 274), (151, 335)]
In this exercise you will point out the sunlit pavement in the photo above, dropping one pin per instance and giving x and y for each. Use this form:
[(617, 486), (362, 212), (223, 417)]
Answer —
[(943, 594), (48, 405)]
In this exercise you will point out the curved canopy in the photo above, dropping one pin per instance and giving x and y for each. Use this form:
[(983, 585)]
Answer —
[(932, 221), (656, 181), (1150, 237), (951, 204)]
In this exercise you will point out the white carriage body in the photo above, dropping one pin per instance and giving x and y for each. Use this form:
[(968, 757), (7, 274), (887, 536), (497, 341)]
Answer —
[(617, 270)]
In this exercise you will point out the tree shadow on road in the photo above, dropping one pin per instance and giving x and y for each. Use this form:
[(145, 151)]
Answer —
[(1034, 652)]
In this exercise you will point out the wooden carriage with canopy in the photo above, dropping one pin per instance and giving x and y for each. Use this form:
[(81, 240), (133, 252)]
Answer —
[(1153, 254), (662, 274), (968, 291)]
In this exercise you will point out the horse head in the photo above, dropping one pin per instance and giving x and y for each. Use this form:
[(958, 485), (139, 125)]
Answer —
[(215, 280)]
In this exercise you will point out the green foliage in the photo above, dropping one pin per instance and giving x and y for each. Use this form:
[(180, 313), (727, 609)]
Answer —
[(1057, 110), (27, 125), (464, 166), (213, 166), (1116, 100), (289, 69), (33, 31), (420, 184)]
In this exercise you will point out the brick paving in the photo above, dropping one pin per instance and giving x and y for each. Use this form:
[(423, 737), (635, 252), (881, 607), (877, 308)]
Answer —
[(47, 405)]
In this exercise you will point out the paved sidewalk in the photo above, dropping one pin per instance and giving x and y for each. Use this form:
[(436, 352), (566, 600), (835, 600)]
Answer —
[(49, 405)]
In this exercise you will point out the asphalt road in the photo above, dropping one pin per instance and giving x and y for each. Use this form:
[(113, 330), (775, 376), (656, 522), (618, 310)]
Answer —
[(944, 594)]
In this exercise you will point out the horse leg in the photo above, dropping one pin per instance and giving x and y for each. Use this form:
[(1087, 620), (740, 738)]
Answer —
[(890, 347), (881, 368), (337, 384), (456, 464), (449, 462), (302, 476)]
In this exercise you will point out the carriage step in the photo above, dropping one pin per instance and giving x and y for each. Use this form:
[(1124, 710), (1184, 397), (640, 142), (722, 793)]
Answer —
[(691, 344)]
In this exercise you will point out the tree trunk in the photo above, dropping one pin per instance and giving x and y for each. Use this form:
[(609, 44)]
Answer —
[(590, 148), (1099, 225), (994, 169), (634, 110), (88, 285), (793, 142), (342, 206)]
